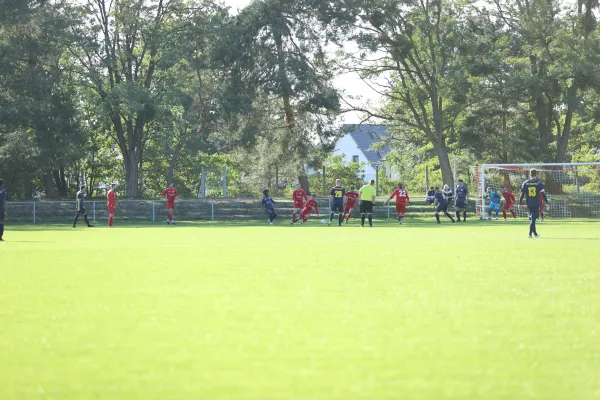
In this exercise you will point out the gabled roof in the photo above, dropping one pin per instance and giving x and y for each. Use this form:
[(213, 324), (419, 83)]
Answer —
[(365, 136)]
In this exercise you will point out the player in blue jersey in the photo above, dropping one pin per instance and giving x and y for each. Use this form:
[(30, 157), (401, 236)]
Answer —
[(81, 208), (442, 205), (462, 198), (531, 190), (337, 194), (3, 199), (269, 205), (495, 198)]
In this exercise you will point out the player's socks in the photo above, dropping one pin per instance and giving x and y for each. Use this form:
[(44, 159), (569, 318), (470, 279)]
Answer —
[(514, 214), (458, 216), (1, 231), (293, 217), (331, 216), (370, 216), (75, 220), (504, 214), (340, 219), (362, 219), (437, 218)]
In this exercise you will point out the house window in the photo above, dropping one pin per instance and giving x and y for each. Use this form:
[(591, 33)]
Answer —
[(355, 159)]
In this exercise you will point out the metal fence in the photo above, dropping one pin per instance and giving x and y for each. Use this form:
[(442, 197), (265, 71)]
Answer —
[(39, 212)]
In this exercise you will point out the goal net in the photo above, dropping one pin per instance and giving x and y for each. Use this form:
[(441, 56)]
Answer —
[(573, 189)]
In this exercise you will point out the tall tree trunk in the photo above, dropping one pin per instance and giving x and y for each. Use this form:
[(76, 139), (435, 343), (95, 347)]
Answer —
[(50, 186), (59, 182), (131, 175), (445, 166), (284, 81), (562, 138)]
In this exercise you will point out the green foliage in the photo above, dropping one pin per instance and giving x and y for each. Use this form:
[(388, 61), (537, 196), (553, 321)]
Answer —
[(334, 167)]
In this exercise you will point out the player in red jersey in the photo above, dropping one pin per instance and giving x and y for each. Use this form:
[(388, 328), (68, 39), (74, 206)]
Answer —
[(299, 197), (350, 203), (541, 208), (170, 194), (509, 202), (308, 207), (402, 199), (111, 205)]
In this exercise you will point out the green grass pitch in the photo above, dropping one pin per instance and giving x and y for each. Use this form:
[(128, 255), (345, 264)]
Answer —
[(226, 311)]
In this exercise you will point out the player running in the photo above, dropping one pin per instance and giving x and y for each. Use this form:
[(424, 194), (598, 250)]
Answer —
[(509, 203), (541, 209), (351, 196), (494, 202), (442, 205), (111, 205), (3, 199), (462, 199), (269, 205), (299, 197), (402, 199), (170, 194), (81, 209), (337, 194), (532, 189), (308, 207)]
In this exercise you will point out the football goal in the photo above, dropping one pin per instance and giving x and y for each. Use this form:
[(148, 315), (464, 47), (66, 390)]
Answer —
[(573, 189)]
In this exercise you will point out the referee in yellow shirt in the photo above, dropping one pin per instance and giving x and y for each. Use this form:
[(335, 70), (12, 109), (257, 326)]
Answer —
[(366, 196)]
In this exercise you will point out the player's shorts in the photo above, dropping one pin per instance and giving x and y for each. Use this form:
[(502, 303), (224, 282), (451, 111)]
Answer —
[(401, 208), (304, 213), (509, 206), (349, 207), (81, 211), (337, 207), (441, 208), (298, 205), (170, 206), (461, 203), (533, 212), (366, 207), (494, 206), (111, 209)]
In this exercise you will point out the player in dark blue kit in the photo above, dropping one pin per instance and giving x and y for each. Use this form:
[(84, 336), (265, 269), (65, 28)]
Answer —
[(81, 209), (3, 199), (442, 205), (462, 197), (337, 194), (269, 205), (531, 189)]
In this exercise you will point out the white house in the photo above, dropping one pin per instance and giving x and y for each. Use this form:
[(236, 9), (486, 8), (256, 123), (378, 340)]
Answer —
[(357, 146)]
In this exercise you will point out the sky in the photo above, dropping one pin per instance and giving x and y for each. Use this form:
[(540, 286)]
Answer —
[(349, 84)]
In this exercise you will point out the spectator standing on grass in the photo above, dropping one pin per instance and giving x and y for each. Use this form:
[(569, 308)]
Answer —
[(366, 197)]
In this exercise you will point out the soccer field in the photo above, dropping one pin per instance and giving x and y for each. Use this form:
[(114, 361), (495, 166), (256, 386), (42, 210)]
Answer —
[(202, 311)]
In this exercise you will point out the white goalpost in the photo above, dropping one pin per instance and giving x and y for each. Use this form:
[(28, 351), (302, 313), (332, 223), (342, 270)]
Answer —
[(573, 189)]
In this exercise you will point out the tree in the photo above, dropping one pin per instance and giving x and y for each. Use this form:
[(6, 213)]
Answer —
[(37, 96), (408, 53), (281, 51), (119, 48)]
